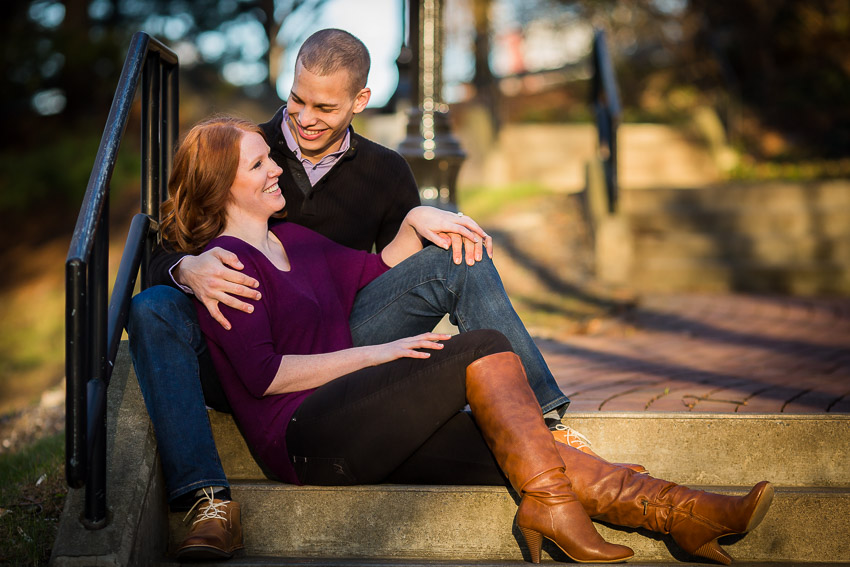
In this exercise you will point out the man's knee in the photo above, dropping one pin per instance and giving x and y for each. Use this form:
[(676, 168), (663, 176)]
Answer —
[(434, 253), (159, 303)]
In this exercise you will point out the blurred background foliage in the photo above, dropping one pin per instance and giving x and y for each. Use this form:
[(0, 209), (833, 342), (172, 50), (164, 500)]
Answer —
[(777, 72), (61, 62)]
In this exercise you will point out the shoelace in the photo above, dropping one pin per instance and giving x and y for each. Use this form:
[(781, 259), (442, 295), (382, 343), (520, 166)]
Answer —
[(573, 437), (211, 511)]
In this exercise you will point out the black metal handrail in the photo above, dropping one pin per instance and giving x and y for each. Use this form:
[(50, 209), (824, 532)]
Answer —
[(605, 98), (93, 330)]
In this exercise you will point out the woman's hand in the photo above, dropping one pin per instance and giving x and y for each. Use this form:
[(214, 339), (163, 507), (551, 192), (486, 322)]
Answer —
[(451, 229), (304, 371), (407, 348), (444, 229)]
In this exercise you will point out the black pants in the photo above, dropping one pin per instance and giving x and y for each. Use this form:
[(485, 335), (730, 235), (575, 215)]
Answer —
[(400, 422)]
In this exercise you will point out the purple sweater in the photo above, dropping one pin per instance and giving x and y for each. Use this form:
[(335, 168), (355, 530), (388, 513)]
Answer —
[(302, 311)]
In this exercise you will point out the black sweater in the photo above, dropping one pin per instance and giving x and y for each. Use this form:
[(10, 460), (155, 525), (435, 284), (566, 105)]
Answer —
[(359, 203)]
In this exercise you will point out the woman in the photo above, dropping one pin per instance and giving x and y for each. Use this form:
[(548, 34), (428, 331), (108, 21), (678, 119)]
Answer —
[(318, 411)]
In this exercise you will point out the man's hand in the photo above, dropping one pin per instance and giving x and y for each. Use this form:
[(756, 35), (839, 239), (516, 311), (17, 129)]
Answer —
[(214, 279), (452, 229)]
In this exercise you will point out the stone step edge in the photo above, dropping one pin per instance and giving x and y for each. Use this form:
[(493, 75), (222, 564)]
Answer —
[(246, 486), (717, 449), (675, 445), (476, 523), (240, 559)]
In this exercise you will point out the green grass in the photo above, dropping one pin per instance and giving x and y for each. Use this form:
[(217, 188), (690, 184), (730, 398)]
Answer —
[(485, 202), (32, 493), (798, 170), (32, 341)]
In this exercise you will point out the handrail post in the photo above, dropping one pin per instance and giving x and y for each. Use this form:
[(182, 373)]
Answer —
[(151, 142), (95, 501), (77, 370), (606, 103), (125, 280), (170, 127)]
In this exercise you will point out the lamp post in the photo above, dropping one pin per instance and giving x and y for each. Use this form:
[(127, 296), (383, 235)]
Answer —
[(434, 154)]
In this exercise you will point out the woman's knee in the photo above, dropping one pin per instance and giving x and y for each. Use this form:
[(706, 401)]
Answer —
[(484, 342)]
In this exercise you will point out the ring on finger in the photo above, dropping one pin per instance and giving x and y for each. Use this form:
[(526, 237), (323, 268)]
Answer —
[(460, 214)]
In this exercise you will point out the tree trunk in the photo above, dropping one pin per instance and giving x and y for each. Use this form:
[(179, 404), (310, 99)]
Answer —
[(77, 78)]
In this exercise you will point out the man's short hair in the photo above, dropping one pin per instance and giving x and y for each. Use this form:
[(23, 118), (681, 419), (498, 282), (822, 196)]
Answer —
[(330, 50)]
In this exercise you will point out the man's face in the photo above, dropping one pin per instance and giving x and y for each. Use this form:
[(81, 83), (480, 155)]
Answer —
[(320, 110)]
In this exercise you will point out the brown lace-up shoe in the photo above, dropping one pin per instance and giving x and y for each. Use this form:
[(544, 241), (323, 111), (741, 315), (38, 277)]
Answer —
[(216, 530), (571, 437)]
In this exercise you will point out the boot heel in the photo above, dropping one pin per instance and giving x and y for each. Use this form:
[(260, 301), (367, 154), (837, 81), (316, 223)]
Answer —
[(533, 540), (713, 551)]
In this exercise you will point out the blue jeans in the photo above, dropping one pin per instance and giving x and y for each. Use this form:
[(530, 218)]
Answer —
[(166, 343), (413, 297)]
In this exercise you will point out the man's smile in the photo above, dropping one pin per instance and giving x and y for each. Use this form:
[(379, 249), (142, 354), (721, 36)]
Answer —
[(309, 134)]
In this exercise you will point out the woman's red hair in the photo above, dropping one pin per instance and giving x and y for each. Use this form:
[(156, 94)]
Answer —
[(203, 171)]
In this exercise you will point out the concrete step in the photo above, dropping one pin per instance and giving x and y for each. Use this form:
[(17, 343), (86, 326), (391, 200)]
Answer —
[(754, 222), (770, 237), (769, 196), (690, 448), (778, 249), (243, 560), (696, 274), (683, 163), (806, 456), (452, 523)]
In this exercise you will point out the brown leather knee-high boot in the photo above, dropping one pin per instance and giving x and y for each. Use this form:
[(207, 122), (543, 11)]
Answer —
[(511, 422), (695, 518)]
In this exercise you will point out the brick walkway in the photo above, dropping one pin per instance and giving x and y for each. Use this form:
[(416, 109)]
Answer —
[(713, 353)]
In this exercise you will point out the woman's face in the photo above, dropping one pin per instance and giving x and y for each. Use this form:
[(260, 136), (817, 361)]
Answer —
[(255, 191)]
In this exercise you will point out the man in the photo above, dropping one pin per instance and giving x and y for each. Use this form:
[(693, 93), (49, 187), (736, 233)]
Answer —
[(353, 191)]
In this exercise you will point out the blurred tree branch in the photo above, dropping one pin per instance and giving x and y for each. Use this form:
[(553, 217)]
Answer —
[(782, 63), (62, 57)]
